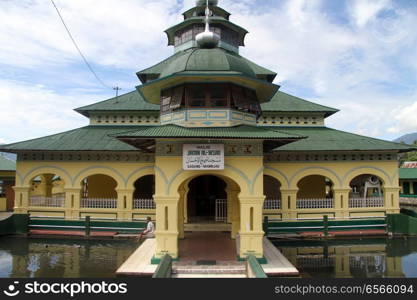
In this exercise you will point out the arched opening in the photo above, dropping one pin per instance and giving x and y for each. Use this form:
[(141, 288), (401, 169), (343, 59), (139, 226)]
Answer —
[(47, 190), (207, 200), (272, 192), (98, 191), (366, 191), (143, 193), (315, 191)]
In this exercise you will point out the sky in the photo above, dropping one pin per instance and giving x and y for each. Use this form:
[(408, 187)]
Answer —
[(359, 56)]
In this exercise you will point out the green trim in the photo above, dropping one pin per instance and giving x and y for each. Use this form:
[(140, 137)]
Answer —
[(156, 261), (262, 260), (256, 268), (164, 269)]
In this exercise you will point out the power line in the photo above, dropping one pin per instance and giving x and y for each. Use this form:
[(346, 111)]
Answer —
[(117, 89)]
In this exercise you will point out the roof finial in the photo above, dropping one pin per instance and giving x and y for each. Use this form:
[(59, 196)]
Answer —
[(207, 39)]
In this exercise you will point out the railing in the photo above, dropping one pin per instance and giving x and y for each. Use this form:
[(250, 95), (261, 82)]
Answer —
[(221, 210), (254, 268), (366, 202), (98, 203), (164, 269), (57, 200), (144, 204), (315, 203), (272, 204)]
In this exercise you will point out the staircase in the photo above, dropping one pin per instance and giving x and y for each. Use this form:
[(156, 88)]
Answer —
[(207, 227)]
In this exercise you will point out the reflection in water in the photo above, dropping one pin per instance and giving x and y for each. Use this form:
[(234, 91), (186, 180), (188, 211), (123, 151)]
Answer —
[(40, 258), (356, 258)]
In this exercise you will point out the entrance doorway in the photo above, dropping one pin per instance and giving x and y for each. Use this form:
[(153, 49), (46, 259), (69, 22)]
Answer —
[(207, 200)]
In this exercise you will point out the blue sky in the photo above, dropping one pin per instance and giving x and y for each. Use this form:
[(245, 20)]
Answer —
[(359, 56)]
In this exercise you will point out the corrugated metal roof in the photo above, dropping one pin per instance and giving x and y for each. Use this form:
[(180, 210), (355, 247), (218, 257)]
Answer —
[(132, 101), (90, 138), (408, 173), (328, 139), (238, 132), (282, 102), (7, 164)]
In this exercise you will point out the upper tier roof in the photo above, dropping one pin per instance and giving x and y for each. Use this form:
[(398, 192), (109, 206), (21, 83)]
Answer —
[(283, 102), (132, 101), (206, 60)]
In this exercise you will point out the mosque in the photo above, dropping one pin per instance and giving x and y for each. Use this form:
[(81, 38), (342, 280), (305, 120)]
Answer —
[(207, 141)]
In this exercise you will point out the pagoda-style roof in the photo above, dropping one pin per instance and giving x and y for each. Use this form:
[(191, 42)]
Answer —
[(198, 60), (7, 164), (328, 139), (131, 101), (283, 102)]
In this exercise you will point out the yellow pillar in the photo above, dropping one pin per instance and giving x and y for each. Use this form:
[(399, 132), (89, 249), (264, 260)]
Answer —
[(392, 199), (21, 199), (166, 233), (394, 267), (233, 199), (181, 211), (289, 204), (251, 233), (72, 201), (124, 204), (342, 263), (341, 203)]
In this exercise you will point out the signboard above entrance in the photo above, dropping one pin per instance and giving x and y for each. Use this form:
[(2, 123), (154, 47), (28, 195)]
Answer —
[(203, 157)]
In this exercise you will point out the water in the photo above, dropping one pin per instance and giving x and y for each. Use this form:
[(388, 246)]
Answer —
[(52, 258), (353, 258)]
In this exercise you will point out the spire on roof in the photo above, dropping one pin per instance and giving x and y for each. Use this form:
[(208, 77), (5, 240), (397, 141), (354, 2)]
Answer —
[(207, 39)]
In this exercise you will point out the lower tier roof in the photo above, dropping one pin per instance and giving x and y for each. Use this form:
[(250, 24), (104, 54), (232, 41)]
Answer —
[(103, 138)]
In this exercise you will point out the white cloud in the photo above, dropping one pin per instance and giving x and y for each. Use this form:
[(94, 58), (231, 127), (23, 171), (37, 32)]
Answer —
[(405, 119), (364, 11), (28, 111)]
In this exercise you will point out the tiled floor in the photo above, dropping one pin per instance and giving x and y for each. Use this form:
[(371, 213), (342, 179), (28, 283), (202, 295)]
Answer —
[(207, 246)]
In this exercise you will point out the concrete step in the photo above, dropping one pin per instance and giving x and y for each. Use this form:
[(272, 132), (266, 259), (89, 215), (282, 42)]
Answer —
[(209, 276), (204, 270), (207, 227)]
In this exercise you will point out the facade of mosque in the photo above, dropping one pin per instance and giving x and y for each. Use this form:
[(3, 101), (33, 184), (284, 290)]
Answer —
[(209, 141), (7, 181)]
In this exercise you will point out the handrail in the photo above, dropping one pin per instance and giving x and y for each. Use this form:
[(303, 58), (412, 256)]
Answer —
[(254, 268), (164, 269)]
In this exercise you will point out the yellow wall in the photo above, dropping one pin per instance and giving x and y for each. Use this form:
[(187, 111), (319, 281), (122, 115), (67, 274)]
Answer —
[(3, 204)]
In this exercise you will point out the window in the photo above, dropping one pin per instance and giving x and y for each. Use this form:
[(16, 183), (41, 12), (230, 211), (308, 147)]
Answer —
[(196, 96), (218, 95), (165, 101), (177, 97)]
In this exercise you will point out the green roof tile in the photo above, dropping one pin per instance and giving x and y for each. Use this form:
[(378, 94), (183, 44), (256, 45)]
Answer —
[(327, 139), (132, 101), (90, 138), (238, 132), (206, 60), (7, 164), (408, 173), (282, 102)]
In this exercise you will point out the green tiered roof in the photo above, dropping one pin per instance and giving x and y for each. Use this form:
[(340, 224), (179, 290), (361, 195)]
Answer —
[(7, 164), (197, 60), (238, 132), (103, 138), (282, 102), (132, 101), (327, 139)]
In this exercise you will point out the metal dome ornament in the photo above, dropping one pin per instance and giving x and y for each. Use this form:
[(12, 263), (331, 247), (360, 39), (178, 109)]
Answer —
[(204, 2), (207, 39)]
